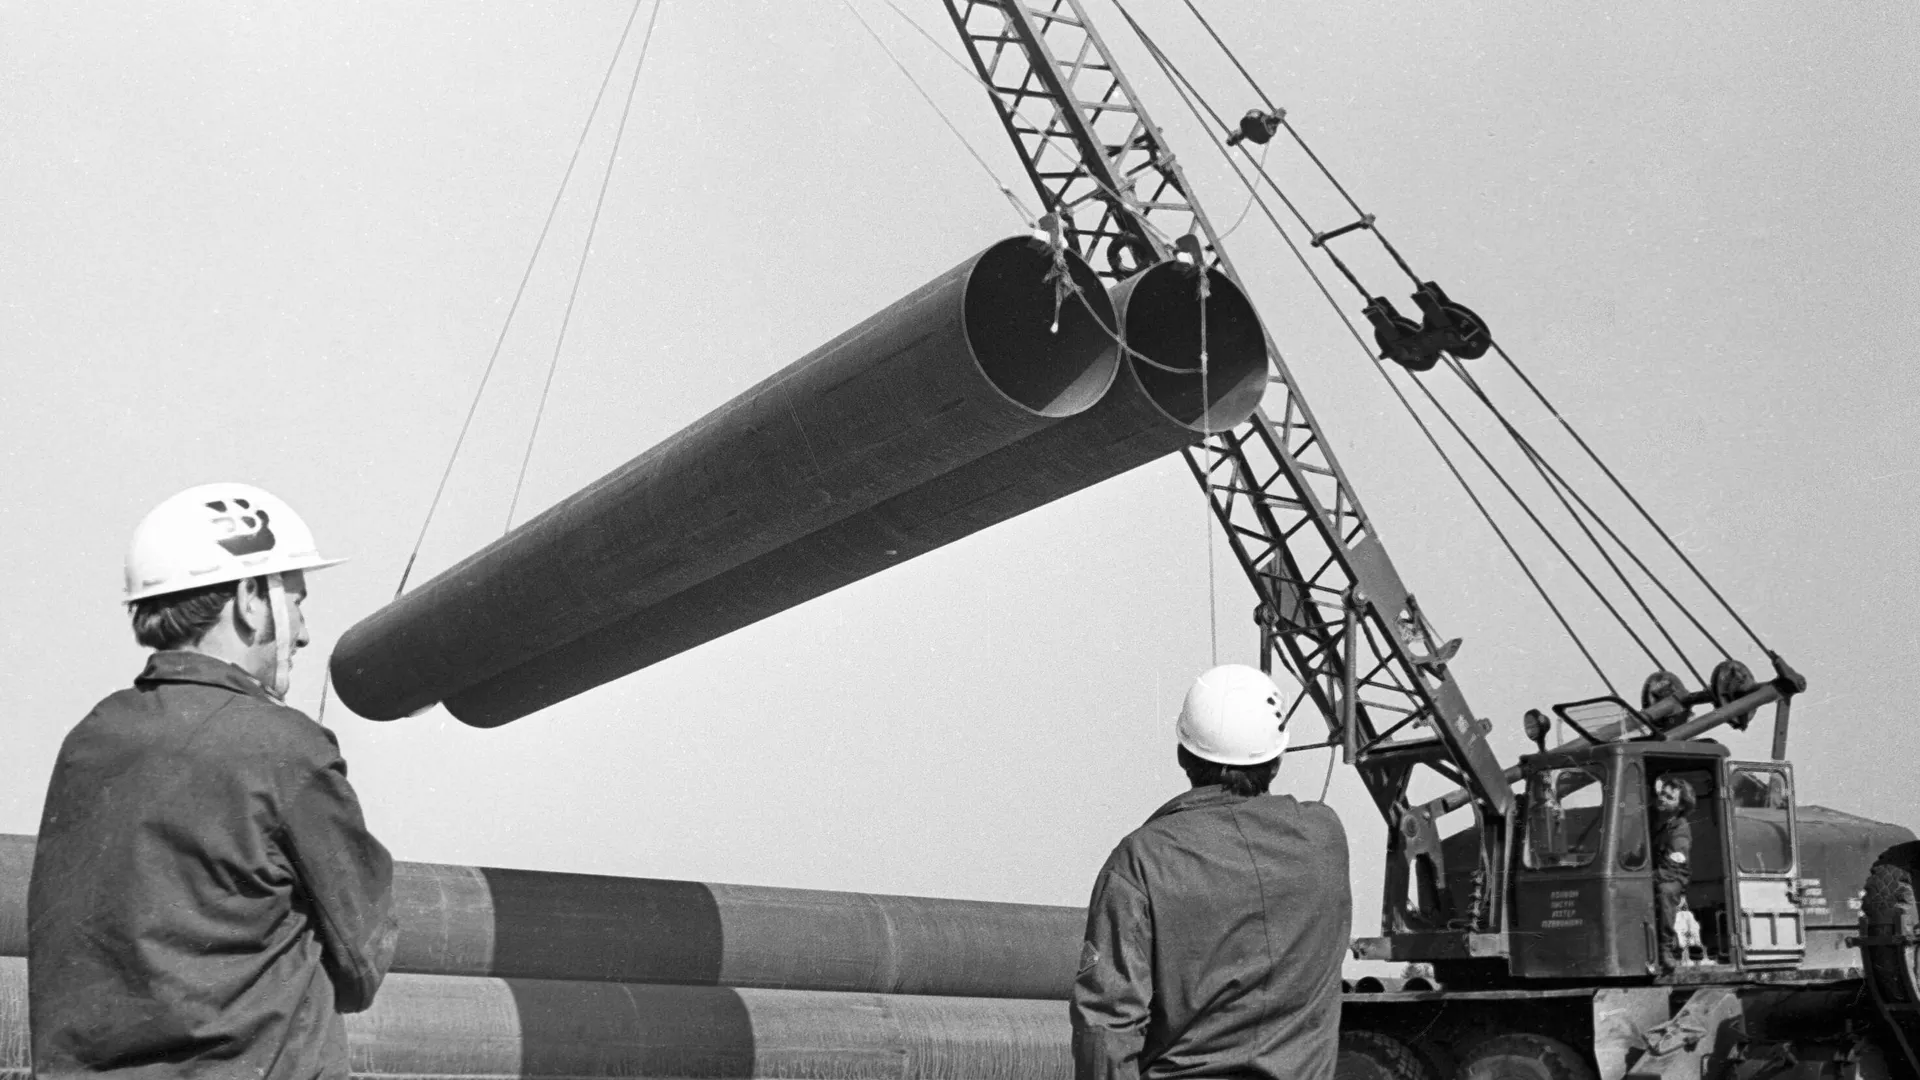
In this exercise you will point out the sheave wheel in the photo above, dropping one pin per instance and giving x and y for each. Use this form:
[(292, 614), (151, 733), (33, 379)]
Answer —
[(1525, 1057), (1369, 1055)]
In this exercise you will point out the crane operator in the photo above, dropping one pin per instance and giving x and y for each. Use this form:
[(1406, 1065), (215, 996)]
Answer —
[(206, 900), (1216, 929), (1673, 799)]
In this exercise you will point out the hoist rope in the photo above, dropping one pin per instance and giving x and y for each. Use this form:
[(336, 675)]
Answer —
[(1556, 483), (1206, 434), (1555, 478), (1027, 217), (1281, 115), (1179, 79), (1432, 439), (1567, 556), (580, 268), (1558, 486), (1184, 85), (1244, 73), (993, 93), (937, 45), (506, 324), (1539, 587), (1622, 488), (1247, 209)]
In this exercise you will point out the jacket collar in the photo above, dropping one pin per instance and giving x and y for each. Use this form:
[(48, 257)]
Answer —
[(1199, 798), (173, 666)]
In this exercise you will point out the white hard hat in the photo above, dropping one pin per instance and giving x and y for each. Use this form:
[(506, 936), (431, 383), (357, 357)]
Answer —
[(1234, 715), (213, 534)]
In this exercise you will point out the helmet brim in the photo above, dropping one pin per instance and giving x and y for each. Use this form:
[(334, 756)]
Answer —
[(228, 576)]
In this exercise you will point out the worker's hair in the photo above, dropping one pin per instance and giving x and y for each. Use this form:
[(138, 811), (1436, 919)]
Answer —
[(1687, 797), (1237, 779), (177, 620)]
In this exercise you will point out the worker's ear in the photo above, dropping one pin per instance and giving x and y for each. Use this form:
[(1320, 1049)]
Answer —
[(251, 611)]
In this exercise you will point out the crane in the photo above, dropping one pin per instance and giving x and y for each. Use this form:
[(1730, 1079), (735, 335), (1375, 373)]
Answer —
[(1332, 607), (1334, 610)]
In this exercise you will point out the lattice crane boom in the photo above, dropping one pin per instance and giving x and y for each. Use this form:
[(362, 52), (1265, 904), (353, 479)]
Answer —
[(1332, 606)]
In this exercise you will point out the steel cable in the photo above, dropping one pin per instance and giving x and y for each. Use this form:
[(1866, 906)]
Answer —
[(1622, 488), (580, 268), (1407, 405), (1027, 216), (527, 275), (1560, 489), (1548, 405), (1526, 445), (1565, 555)]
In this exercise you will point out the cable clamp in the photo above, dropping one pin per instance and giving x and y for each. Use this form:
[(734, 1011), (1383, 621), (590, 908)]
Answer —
[(1061, 275), (1365, 222)]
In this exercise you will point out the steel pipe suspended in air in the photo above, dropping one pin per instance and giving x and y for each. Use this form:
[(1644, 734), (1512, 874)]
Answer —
[(429, 1026), (957, 369), (485, 921), (1153, 409)]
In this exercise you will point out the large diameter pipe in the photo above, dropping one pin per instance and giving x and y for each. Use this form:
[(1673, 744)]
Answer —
[(484, 921), (964, 365), (1150, 411), (426, 1026)]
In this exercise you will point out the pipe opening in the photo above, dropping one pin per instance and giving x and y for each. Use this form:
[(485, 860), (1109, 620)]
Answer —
[(1161, 310), (1009, 314)]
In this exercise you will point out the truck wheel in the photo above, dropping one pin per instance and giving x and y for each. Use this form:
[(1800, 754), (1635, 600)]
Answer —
[(1893, 970), (1890, 909), (1369, 1055), (1525, 1056)]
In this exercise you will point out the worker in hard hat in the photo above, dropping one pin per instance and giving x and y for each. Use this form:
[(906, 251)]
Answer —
[(1216, 930), (206, 899)]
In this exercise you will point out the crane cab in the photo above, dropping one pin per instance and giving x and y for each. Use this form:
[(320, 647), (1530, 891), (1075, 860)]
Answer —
[(1585, 858)]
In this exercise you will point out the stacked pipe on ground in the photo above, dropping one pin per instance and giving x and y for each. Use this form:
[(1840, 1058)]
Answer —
[(523, 973), (430, 1026), (1158, 405), (976, 359)]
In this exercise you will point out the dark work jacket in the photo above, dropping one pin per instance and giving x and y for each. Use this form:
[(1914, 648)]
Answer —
[(206, 899), (1673, 836), (1214, 943)]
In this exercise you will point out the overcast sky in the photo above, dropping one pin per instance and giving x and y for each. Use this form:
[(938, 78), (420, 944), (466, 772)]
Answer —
[(275, 243)]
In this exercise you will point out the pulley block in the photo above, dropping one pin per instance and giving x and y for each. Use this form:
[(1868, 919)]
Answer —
[(1256, 127), (1660, 686), (1445, 327), (1730, 680)]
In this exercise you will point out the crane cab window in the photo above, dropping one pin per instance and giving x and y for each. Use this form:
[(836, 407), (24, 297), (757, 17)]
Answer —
[(1565, 812), (1633, 818), (1762, 801)]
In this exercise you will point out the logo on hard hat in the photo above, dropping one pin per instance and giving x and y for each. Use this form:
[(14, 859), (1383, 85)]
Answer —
[(258, 535)]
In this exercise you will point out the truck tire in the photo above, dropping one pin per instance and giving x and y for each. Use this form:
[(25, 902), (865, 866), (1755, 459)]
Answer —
[(1893, 971), (1890, 908), (1369, 1055), (1525, 1056)]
